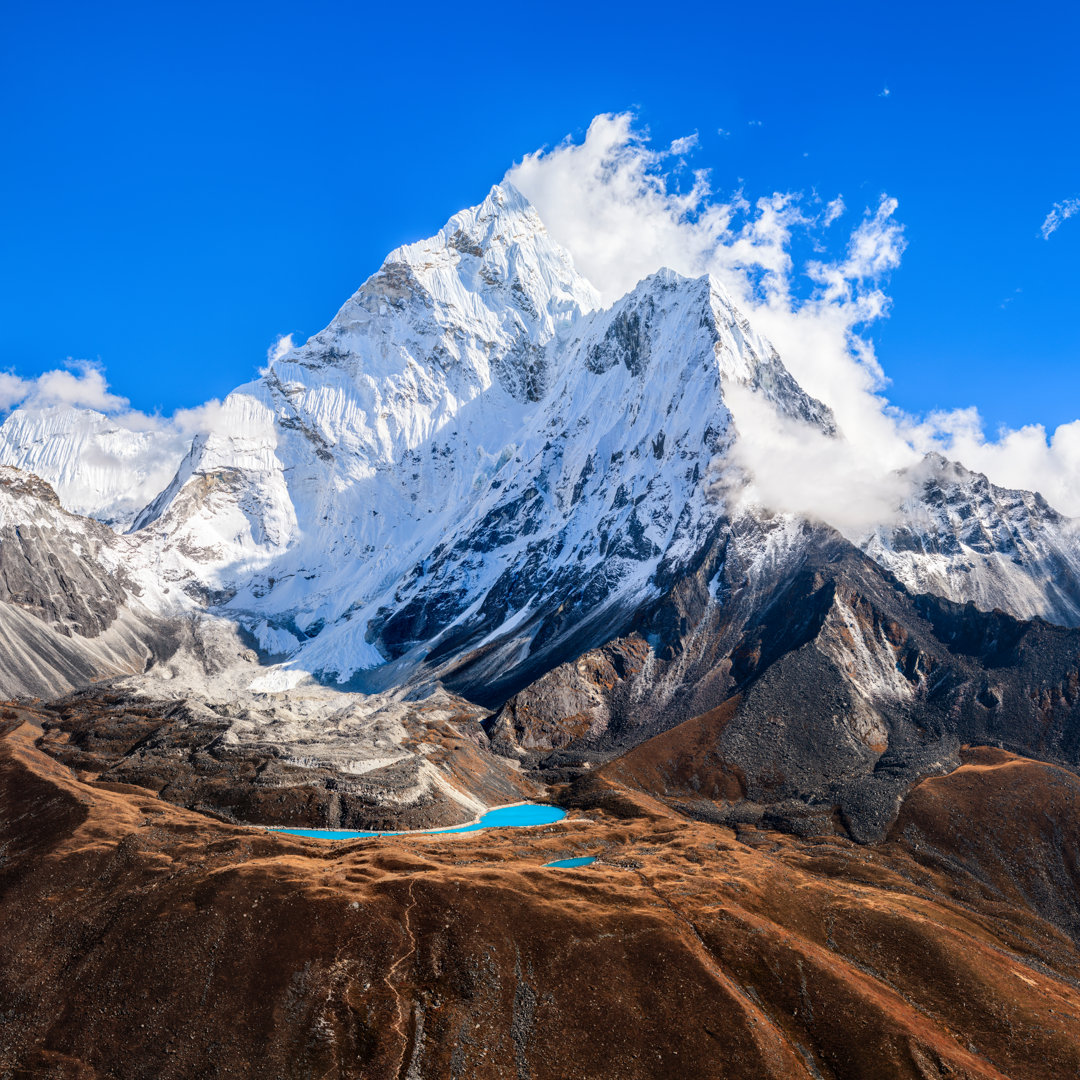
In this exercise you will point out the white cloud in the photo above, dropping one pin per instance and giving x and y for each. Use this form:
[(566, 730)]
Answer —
[(81, 384), (874, 250), (613, 202), (684, 145), (834, 210), (795, 468), (12, 390), (283, 344), (608, 202), (722, 133), (886, 92), (207, 417), (1009, 299), (1061, 213), (753, 123)]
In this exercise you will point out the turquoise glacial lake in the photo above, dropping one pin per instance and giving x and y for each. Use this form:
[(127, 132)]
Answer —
[(505, 817), (584, 860)]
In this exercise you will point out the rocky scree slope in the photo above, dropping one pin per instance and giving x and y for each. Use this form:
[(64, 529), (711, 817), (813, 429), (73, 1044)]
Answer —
[(309, 756), (69, 610)]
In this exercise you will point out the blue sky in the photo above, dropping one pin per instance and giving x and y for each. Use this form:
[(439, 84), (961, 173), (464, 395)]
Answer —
[(183, 183)]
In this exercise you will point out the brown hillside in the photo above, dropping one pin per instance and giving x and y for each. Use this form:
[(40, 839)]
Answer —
[(138, 939)]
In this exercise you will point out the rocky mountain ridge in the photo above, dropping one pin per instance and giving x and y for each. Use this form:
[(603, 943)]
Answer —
[(70, 610), (824, 785), (475, 464), (477, 481)]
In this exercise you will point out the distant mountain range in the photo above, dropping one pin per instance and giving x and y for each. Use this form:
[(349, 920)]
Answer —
[(478, 478), (484, 541), (475, 472)]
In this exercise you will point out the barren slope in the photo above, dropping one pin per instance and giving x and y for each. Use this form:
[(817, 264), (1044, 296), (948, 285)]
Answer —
[(138, 939)]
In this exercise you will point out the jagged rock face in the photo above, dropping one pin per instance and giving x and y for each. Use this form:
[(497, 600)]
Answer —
[(887, 690), (42, 572), (570, 704), (69, 612), (964, 538), (725, 617), (816, 706)]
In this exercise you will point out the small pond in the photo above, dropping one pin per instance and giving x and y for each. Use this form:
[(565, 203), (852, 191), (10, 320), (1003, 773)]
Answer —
[(505, 817), (583, 860)]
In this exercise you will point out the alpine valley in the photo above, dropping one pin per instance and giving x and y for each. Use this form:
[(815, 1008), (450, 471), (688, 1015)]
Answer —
[(485, 541)]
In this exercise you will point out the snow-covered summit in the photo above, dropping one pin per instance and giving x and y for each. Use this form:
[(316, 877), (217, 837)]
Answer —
[(472, 450), (476, 303), (101, 466), (961, 536), (449, 338), (477, 468)]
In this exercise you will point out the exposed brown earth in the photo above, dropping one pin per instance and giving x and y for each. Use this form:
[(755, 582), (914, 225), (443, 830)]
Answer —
[(684, 763), (140, 939)]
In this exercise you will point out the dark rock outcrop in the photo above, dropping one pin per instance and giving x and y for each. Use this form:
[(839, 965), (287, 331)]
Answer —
[(845, 688)]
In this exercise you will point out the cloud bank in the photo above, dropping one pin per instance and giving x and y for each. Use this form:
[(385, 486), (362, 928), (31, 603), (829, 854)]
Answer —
[(615, 202), (81, 384)]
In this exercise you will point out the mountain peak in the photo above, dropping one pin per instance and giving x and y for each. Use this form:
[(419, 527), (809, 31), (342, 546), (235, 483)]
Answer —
[(475, 454), (500, 242), (485, 294), (504, 218), (504, 201)]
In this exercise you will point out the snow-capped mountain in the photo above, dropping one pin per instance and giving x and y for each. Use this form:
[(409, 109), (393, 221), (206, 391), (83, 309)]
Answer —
[(475, 472), (962, 537), (471, 457), (104, 467)]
